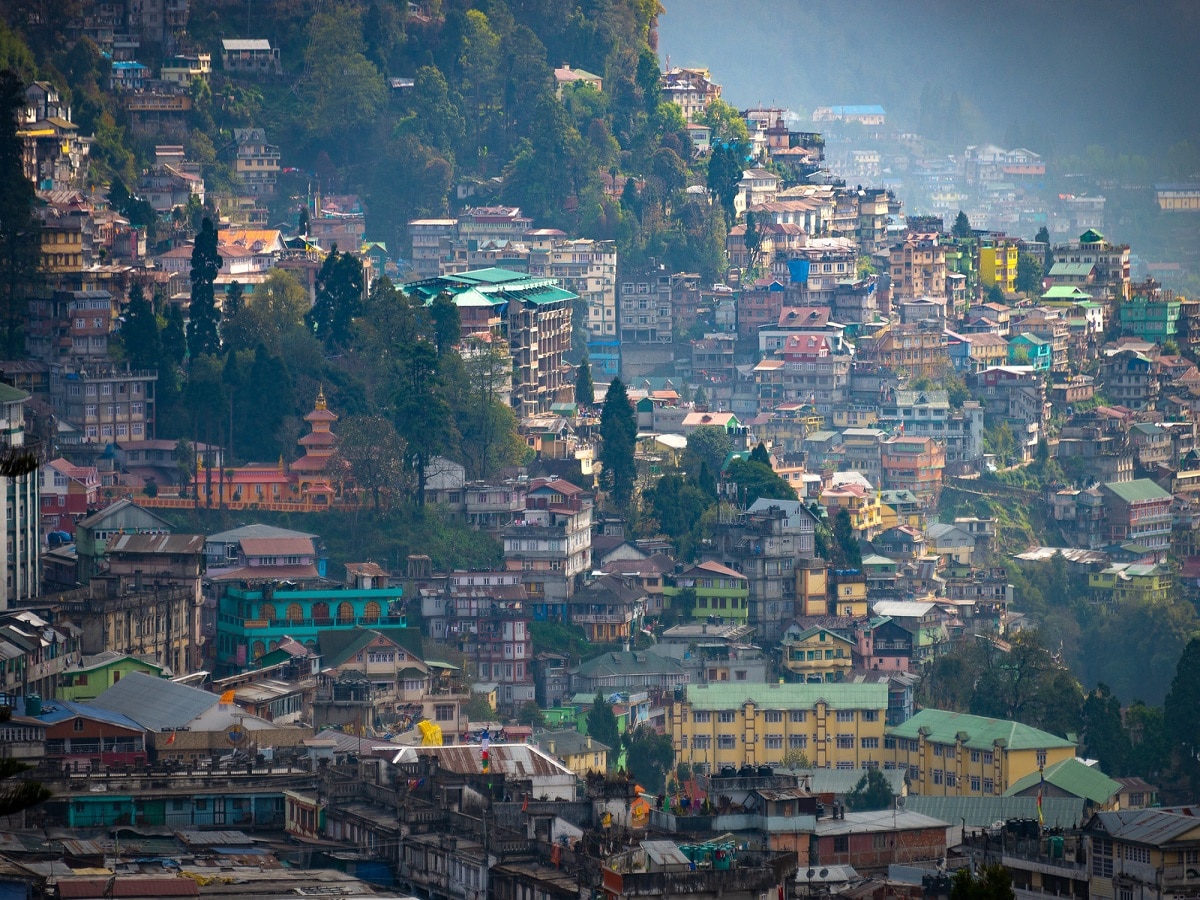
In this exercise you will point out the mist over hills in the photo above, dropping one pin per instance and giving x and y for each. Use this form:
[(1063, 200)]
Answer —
[(1054, 76)]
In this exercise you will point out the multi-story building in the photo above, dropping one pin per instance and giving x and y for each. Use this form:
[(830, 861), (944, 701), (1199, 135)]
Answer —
[(919, 350), (1145, 853), (182, 68), (105, 402), (1102, 265), (998, 262), (487, 618), (71, 325), (431, 239), (764, 543), (257, 162), (609, 609), (648, 305), (253, 55), (957, 755), (532, 314), (588, 269), (551, 546), (690, 89), (54, 155), (1138, 511), (835, 725), (1152, 314), (68, 493), (1132, 583), (720, 591), (918, 267), (252, 620), (928, 414), (19, 526), (1130, 379), (914, 464)]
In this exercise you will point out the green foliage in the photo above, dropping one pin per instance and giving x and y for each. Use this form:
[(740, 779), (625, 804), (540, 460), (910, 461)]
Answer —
[(962, 226), (754, 480), (531, 714), (618, 437), (585, 393), (679, 507), (709, 445), (995, 294), (20, 242), (1104, 735), (872, 792), (272, 316), (202, 335), (1181, 709), (846, 549), (649, 755), (477, 709), (554, 637), (1029, 274), (371, 453), (602, 726), (339, 288), (990, 882)]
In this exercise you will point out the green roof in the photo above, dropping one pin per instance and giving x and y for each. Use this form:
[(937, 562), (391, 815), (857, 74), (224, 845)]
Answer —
[(339, 644), (628, 662), (492, 286), (979, 733), (1091, 236), (1068, 269), (10, 394), (981, 812), (1073, 777), (1066, 292), (788, 696), (1137, 491)]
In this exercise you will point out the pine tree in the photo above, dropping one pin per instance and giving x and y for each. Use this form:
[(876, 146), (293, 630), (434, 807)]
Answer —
[(602, 726), (202, 335), (20, 241), (234, 297), (962, 226), (339, 299), (585, 392), (140, 333), (618, 437)]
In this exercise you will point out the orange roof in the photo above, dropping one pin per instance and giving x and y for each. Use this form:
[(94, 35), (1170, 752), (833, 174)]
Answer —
[(718, 569)]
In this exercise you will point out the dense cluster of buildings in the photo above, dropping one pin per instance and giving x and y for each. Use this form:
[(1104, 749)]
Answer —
[(187, 684)]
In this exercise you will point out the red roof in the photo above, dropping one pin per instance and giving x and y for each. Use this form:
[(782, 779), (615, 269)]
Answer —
[(276, 546)]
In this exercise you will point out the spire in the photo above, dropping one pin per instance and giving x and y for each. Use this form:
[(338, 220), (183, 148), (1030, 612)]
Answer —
[(321, 398)]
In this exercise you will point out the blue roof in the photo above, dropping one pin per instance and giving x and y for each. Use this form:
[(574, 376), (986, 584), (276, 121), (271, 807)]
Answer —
[(128, 65), (55, 711)]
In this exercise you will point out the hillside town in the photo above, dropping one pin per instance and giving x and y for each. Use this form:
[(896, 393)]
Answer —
[(467, 555)]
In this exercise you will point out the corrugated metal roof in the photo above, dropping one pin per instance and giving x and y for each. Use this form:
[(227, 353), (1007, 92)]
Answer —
[(156, 543), (1153, 827), (982, 812), (155, 703), (126, 886), (1073, 776), (512, 760), (981, 733), (788, 696)]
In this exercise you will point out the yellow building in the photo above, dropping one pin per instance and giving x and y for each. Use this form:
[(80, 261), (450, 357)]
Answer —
[(848, 591), (959, 755), (863, 504), (834, 725), (817, 654), (1125, 583), (998, 263), (578, 752), (1151, 854)]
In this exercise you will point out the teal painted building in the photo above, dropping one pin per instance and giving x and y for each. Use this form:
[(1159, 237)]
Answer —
[(1030, 350), (251, 621), (237, 807)]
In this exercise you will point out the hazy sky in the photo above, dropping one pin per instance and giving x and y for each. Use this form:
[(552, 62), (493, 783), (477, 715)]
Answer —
[(1065, 72)]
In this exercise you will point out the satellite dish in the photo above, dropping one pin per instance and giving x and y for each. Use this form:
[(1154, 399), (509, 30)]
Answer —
[(824, 873), (236, 735), (810, 873)]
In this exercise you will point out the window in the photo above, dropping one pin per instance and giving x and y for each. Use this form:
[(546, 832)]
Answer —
[(937, 749), (1041, 758), (937, 776), (798, 742), (870, 743), (773, 715), (444, 712), (78, 725), (974, 756), (951, 779), (841, 843), (726, 742), (1102, 857), (889, 742), (879, 841), (870, 715), (845, 742), (987, 757), (797, 715), (725, 716), (702, 716), (701, 742), (845, 715), (774, 741), (1137, 854), (989, 786)]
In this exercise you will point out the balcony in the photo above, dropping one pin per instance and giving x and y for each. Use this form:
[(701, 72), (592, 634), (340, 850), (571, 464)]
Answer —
[(601, 618)]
